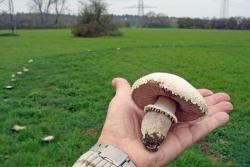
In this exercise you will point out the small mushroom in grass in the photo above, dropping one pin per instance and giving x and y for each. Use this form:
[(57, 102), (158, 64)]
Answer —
[(25, 69), (19, 73), (6, 100), (18, 128), (30, 61), (9, 87), (118, 48), (13, 76), (48, 138), (166, 99)]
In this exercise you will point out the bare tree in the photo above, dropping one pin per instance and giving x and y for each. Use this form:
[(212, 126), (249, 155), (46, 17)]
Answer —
[(9, 10), (48, 5), (43, 7), (37, 6), (12, 16), (60, 8)]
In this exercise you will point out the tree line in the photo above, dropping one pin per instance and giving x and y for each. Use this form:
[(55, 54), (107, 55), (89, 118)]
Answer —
[(33, 20), (152, 20), (52, 14), (234, 23)]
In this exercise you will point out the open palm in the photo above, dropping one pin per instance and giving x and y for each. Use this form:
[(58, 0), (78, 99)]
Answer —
[(122, 127)]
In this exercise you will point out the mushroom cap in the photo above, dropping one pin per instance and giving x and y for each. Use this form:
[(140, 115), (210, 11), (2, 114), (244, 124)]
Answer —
[(191, 105), (18, 128), (25, 69), (48, 138), (8, 87)]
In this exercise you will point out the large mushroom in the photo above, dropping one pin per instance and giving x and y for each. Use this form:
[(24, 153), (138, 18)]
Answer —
[(166, 99)]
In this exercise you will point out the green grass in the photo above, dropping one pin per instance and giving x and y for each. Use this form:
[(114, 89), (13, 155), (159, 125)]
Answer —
[(67, 90)]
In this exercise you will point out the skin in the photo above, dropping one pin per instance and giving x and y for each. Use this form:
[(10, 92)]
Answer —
[(122, 127)]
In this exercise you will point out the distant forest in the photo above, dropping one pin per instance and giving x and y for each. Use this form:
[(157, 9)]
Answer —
[(151, 20)]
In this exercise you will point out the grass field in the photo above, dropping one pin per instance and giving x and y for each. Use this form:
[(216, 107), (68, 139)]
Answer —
[(67, 90)]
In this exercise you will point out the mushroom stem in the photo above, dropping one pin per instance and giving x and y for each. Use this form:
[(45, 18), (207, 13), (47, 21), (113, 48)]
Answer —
[(166, 104), (156, 122)]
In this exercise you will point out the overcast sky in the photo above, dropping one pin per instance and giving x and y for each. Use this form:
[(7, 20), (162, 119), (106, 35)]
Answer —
[(178, 8)]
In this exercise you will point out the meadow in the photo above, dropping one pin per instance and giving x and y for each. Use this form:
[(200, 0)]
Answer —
[(68, 88)]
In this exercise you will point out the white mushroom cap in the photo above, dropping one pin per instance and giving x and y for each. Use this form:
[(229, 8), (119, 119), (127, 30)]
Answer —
[(191, 105), (48, 138), (18, 128), (25, 69), (19, 72), (8, 87)]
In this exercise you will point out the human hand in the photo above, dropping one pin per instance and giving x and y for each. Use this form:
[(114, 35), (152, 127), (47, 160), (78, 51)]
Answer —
[(122, 127)]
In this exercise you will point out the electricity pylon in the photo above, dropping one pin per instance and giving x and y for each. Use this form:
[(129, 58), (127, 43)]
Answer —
[(140, 7), (224, 12)]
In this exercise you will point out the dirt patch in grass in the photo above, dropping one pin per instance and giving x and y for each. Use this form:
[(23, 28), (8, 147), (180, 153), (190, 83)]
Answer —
[(91, 132), (217, 158)]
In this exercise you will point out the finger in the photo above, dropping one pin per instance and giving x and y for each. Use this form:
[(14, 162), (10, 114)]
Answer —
[(205, 92), (207, 125), (224, 106), (217, 98), (122, 87)]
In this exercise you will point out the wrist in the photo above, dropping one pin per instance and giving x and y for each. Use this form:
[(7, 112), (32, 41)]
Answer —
[(123, 145), (130, 147), (104, 155)]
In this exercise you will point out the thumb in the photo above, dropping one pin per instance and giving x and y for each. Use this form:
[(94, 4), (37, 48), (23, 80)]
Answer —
[(122, 86)]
